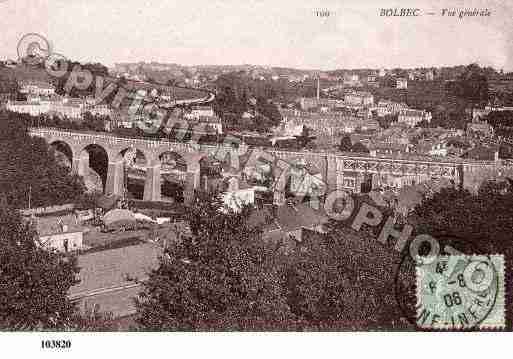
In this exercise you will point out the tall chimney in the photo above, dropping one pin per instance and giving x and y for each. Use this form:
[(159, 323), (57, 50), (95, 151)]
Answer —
[(318, 88)]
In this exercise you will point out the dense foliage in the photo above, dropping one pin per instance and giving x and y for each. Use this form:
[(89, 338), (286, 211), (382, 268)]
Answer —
[(346, 145), (34, 282), (28, 169), (484, 219), (233, 99), (471, 85), (222, 279), (502, 123), (227, 277), (96, 69)]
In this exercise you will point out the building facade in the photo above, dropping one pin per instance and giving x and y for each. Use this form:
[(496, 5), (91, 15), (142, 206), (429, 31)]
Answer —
[(358, 98), (411, 117)]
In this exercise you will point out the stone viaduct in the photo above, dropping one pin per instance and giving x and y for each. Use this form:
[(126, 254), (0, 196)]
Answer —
[(337, 171)]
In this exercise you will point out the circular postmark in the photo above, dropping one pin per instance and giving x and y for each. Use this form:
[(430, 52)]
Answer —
[(455, 291), (405, 281)]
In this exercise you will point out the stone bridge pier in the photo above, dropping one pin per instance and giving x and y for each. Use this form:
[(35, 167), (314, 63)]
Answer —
[(153, 176), (115, 178)]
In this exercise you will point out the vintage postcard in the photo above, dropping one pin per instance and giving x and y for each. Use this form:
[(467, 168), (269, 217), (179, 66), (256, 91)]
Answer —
[(255, 166)]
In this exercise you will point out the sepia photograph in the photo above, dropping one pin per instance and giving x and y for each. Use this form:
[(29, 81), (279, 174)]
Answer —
[(233, 170)]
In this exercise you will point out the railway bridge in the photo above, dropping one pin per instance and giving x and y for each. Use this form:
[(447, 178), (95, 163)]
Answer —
[(154, 158)]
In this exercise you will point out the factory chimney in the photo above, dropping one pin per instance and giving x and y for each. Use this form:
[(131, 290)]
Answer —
[(318, 88)]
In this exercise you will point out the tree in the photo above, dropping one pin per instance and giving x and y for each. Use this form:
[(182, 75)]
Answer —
[(471, 85), (28, 168), (221, 279), (269, 110), (345, 144), (342, 281), (34, 281), (484, 219), (359, 147)]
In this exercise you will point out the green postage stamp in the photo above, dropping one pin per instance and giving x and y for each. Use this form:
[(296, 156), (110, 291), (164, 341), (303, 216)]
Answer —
[(461, 292)]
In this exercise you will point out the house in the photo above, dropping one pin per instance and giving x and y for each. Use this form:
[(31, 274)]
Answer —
[(210, 124), (237, 193), (479, 127), (412, 117), (37, 88), (30, 107), (38, 104), (432, 147), (247, 116), (288, 221), (477, 113), (401, 83), (308, 103), (202, 111), (389, 108), (291, 129), (330, 124), (438, 149), (351, 80), (100, 110), (358, 98), (369, 125), (387, 149), (305, 178), (61, 233)]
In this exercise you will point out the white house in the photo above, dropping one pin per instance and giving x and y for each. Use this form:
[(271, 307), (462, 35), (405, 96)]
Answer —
[(37, 88), (413, 117), (63, 242), (401, 83), (237, 194), (358, 98), (61, 233)]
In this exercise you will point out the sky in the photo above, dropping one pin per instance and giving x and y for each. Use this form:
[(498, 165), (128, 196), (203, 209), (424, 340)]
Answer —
[(271, 33)]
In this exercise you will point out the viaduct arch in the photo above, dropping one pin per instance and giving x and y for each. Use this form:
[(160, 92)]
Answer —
[(75, 146)]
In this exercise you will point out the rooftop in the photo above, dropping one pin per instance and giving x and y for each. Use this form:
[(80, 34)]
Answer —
[(47, 225)]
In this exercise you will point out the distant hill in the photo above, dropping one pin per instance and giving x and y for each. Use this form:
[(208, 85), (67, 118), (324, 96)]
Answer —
[(23, 72)]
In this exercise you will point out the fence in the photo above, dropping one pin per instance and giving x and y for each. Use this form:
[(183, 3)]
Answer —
[(48, 210)]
